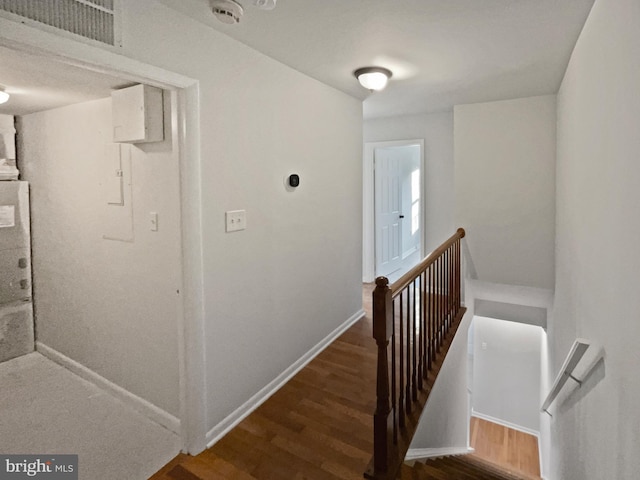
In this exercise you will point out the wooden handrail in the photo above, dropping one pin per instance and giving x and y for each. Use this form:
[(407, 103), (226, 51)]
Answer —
[(414, 320), (408, 277), (578, 349)]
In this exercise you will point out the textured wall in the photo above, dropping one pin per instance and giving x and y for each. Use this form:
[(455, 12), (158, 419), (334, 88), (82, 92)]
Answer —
[(598, 173)]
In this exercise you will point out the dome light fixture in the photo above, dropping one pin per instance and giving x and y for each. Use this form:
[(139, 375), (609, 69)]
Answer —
[(4, 96), (373, 78)]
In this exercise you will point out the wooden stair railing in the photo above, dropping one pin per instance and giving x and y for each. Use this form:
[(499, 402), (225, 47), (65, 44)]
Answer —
[(414, 321)]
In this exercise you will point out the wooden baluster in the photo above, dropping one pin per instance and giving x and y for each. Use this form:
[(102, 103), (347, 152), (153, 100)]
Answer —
[(443, 312), (458, 276), (382, 328), (422, 362), (450, 286), (445, 317), (425, 317), (437, 294), (443, 289), (445, 268), (401, 405), (440, 302), (431, 325), (394, 367), (414, 335), (453, 280), (407, 396), (444, 296)]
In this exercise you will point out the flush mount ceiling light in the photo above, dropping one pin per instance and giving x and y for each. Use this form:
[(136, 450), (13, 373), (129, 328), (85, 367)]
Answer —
[(373, 78), (4, 96)]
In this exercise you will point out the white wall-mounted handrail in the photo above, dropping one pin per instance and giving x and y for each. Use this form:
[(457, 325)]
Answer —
[(576, 353)]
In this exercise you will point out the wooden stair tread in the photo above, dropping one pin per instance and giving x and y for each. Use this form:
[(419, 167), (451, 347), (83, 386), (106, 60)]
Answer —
[(459, 467)]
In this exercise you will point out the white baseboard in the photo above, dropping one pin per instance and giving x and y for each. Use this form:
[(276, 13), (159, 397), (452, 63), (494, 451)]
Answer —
[(416, 454), (222, 428), (505, 423), (141, 405)]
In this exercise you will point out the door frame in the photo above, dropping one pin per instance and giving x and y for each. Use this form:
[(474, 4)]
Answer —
[(185, 100), (368, 203)]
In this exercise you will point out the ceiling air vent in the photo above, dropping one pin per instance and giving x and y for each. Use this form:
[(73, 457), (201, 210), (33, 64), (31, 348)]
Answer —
[(92, 19)]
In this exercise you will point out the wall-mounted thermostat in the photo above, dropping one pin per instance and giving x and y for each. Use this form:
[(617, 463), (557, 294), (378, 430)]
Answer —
[(291, 182)]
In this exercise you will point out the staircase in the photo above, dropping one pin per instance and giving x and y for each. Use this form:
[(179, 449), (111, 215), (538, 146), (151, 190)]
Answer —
[(414, 322), (461, 467)]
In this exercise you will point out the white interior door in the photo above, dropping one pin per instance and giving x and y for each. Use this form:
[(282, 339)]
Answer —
[(388, 216)]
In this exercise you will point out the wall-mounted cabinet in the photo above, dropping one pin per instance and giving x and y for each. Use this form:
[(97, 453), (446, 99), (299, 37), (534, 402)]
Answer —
[(137, 114)]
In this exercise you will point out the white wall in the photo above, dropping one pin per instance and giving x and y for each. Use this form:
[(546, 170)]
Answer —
[(444, 424), (504, 188), (437, 132), (506, 372), (598, 226), (111, 306), (274, 291)]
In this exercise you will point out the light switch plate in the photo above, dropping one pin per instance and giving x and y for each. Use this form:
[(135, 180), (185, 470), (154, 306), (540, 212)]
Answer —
[(153, 221), (236, 220)]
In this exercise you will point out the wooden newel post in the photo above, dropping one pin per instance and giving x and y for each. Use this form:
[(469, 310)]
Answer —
[(382, 331)]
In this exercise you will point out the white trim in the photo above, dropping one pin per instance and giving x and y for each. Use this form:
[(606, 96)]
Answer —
[(417, 454), (190, 323), (31, 40), (540, 458), (146, 408), (222, 428), (505, 423), (368, 210)]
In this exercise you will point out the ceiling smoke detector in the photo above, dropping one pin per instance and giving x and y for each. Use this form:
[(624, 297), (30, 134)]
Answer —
[(227, 11)]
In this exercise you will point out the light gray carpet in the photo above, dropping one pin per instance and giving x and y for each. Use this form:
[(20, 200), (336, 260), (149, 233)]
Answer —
[(45, 409)]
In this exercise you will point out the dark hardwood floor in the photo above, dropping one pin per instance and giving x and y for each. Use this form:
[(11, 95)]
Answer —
[(319, 426)]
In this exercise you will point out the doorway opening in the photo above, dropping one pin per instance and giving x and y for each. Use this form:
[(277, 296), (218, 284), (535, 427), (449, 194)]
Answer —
[(505, 380), (393, 208), (174, 406)]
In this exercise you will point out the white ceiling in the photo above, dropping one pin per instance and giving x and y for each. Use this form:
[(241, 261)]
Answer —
[(36, 83), (442, 52)]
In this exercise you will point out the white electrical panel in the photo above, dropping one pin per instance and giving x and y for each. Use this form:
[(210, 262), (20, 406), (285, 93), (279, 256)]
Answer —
[(114, 180), (117, 216), (138, 115)]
